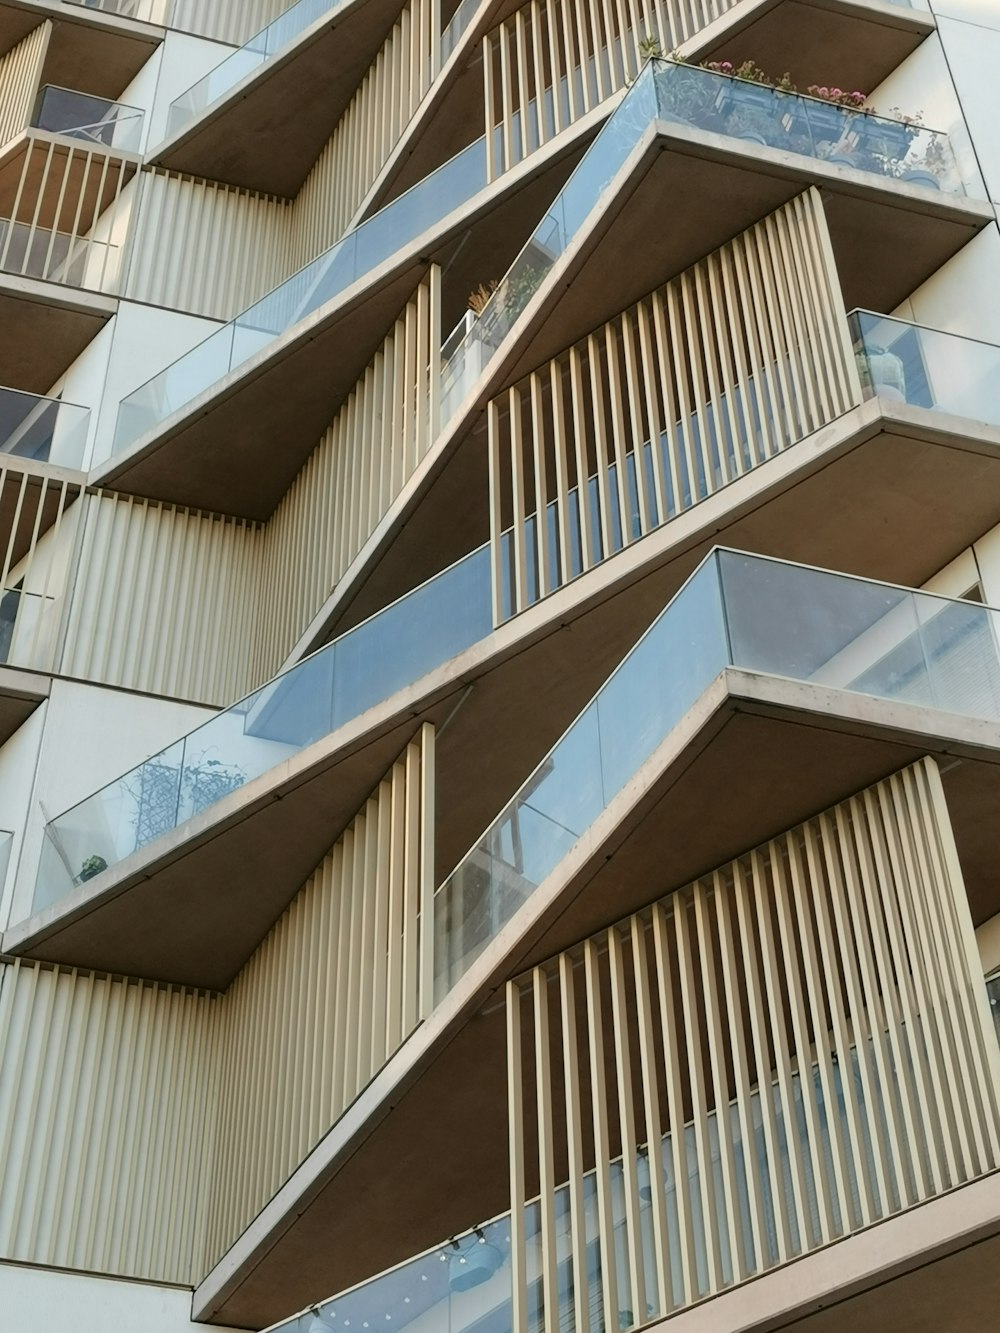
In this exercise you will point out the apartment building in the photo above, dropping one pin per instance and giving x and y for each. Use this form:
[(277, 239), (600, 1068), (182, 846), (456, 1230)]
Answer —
[(499, 689)]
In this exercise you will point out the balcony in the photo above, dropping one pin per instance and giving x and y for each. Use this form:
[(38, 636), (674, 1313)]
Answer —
[(46, 430), (467, 1282), (93, 120), (231, 386), (95, 51), (791, 688), (261, 118)]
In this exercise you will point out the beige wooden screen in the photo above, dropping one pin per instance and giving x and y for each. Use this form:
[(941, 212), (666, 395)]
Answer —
[(104, 1086), (704, 379), (552, 61), (142, 1125), (777, 1055), (204, 246), (368, 130), (335, 988)]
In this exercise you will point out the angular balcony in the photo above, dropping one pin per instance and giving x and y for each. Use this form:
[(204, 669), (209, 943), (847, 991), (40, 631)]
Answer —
[(232, 385), (791, 689), (261, 118), (93, 120)]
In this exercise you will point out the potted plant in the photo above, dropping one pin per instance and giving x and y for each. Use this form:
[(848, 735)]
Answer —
[(754, 124), (91, 867)]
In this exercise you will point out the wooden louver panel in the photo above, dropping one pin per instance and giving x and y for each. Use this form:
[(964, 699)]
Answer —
[(700, 382), (103, 1089), (335, 988), (780, 1054)]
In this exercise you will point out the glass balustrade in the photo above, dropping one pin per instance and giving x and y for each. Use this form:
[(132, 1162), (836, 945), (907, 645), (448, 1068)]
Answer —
[(260, 49), (665, 90), (907, 363), (46, 430), (358, 253), (95, 120), (408, 639), (736, 610)]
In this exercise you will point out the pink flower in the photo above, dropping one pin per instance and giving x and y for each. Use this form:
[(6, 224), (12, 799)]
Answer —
[(836, 92), (823, 92), (726, 64), (859, 97)]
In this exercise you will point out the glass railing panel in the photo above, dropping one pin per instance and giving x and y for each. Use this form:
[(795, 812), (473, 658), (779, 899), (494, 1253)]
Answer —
[(95, 120), (261, 48), (458, 25), (857, 635), (945, 372), (360, 252), (757, 113), (45, 430), (636, 708), (392, 649)]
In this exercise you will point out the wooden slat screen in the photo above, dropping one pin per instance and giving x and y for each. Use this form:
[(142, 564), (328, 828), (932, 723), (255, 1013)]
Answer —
[(780, 1054)]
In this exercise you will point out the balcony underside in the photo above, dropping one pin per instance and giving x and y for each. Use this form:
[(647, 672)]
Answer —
[(90, 51), (268, 131), (220, 452), (20, 694), (784, 751), (43, 329), (886, 496)]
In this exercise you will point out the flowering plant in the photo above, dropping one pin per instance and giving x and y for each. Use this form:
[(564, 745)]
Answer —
[(836, 95)]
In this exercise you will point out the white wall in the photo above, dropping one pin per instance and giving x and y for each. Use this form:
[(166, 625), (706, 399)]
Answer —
[(183, 61), (137, 344), (45, 1301), (91, 736)]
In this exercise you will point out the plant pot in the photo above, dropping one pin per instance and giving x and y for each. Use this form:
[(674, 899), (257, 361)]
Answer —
[(748, 136), (90, 872), (842, 160), (920, 177)]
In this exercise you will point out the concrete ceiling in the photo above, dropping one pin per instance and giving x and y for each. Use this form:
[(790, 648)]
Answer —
[(90, 51)]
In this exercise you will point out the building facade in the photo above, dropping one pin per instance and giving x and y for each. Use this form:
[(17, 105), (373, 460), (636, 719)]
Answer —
[(499, 689)]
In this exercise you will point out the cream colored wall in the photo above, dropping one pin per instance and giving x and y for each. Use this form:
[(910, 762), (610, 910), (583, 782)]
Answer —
[(205, 247)]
